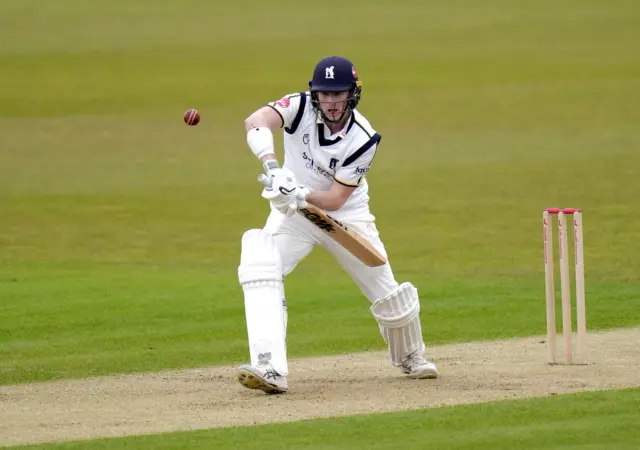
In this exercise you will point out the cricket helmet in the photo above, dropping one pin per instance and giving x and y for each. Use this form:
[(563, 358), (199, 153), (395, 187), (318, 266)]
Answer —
[(335, 74)]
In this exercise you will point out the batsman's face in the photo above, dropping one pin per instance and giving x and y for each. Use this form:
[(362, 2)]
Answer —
[(333, 103)]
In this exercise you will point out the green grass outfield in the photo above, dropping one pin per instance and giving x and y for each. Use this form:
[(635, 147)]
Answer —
[(603, 420), (120, 226)]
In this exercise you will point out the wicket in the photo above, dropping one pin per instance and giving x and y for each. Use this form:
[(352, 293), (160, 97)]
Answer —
[(565, 288)]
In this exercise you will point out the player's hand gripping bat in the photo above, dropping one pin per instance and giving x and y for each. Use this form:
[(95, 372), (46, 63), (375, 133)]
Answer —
[(353, 242)]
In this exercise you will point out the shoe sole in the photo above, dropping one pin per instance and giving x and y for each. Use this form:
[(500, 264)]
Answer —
[(427, 374), (251, 379)]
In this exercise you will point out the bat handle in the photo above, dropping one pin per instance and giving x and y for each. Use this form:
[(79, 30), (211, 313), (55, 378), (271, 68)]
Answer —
[(262, 178)]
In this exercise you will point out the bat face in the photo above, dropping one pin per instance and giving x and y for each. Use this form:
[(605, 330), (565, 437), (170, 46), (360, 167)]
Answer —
[(357, 245), (318, 220)]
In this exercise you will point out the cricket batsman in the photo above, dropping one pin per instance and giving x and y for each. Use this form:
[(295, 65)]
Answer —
[(328, 150)]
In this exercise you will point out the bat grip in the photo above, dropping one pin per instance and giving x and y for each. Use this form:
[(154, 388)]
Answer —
[(264, 179)]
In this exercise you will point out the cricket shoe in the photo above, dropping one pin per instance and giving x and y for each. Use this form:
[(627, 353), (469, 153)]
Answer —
[(417, 367), (263, 377)]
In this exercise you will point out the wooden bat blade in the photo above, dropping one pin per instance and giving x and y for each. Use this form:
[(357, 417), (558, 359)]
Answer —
[(353, 242)]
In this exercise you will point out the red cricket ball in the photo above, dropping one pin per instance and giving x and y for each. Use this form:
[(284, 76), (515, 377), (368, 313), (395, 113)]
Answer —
[(192, 117)]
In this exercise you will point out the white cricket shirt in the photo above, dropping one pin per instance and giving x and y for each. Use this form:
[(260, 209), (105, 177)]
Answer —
[(317, 158)]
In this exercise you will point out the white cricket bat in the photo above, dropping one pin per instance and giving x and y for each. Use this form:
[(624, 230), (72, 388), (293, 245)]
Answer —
[(353, 242)]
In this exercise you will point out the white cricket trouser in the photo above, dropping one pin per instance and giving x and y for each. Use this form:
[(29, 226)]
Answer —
[(295, 237), (395, 307)]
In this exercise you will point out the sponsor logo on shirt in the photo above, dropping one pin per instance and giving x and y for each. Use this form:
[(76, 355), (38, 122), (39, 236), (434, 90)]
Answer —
[(284, 102), (311, 165)]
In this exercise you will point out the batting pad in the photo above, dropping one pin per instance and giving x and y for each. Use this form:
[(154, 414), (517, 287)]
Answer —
[(399, 316), (260, 274)]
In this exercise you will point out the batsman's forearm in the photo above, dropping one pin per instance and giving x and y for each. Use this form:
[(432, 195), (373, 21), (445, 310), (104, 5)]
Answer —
[(325, 200), (260, 126)]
